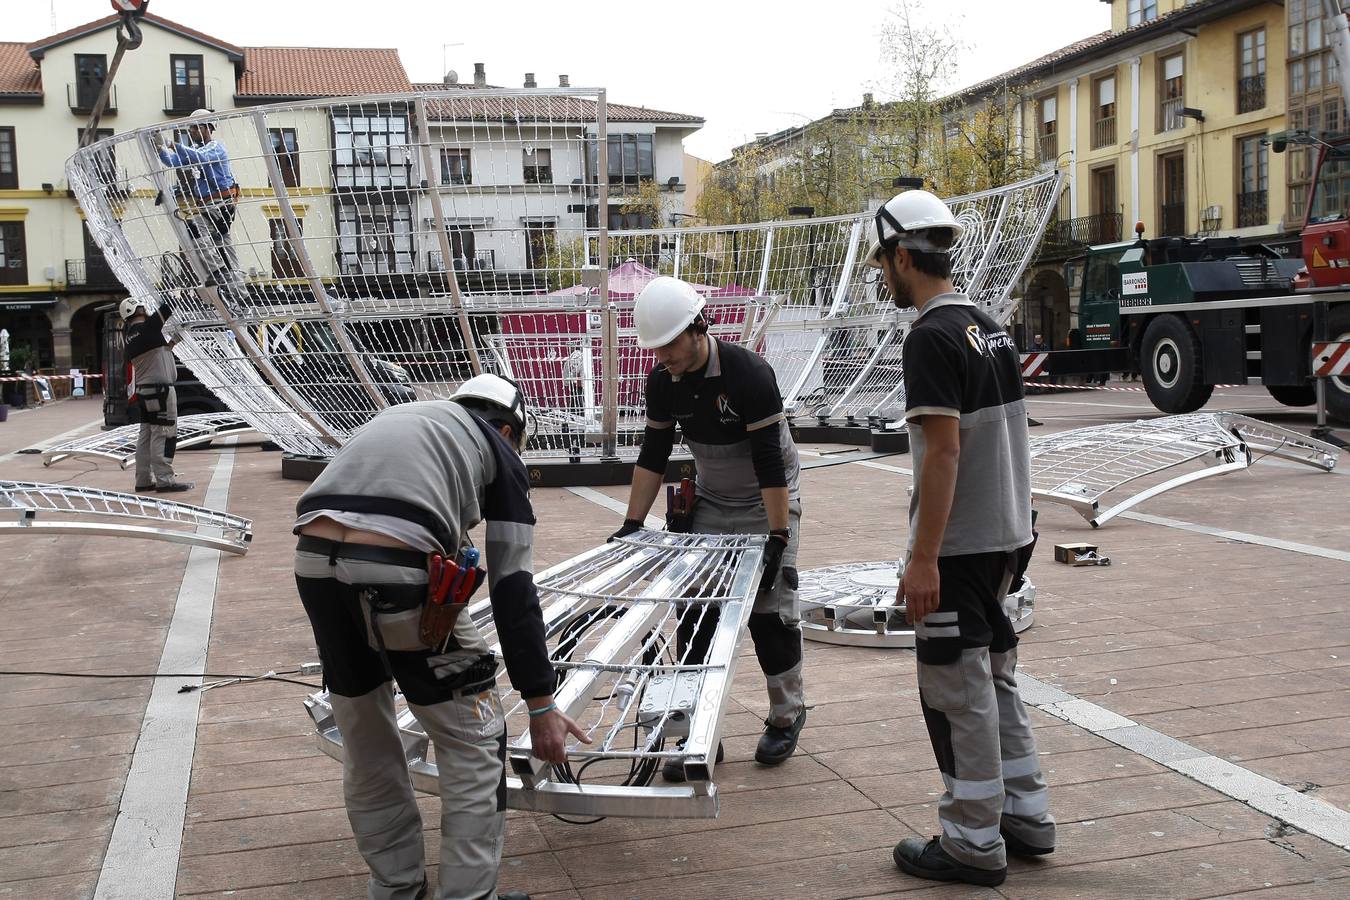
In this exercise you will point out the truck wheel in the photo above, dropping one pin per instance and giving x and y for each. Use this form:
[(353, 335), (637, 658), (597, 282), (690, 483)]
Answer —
[(1170, 365), (1338, 388), (1293, 394)]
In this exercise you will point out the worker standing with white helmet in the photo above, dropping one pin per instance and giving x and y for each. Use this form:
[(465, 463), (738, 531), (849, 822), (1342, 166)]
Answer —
[(153, 372), (209, 192), (384, 567), (726, 402), (970, 538)]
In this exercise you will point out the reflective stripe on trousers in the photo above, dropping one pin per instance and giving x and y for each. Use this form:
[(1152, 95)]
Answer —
[(467, 731)]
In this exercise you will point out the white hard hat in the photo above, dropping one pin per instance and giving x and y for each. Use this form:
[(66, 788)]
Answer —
[(666, 307), (204, 114), (903, 220), (498, 391), (128, 307)]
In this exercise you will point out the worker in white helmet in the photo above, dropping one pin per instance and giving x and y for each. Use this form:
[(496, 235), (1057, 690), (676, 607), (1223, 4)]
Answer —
[(726, 402), (379, 529), (969, 539), (152, 395), (208, 192)]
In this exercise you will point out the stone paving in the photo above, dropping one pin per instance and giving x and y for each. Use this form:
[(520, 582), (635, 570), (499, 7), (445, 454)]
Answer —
[(1240, 649)]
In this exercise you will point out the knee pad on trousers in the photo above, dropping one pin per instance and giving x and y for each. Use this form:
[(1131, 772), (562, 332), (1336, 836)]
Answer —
[(170, 446), (777, 644)]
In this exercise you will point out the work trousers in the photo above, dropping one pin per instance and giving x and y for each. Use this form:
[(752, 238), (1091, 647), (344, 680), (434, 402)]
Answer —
[(981, 736), (155, 445), (209, 227), (775, 619), (354, 606)]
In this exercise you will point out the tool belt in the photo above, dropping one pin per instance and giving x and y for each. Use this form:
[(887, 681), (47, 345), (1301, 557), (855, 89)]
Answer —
[(681, 500), (152, 403), (229, 195), (450, 585)]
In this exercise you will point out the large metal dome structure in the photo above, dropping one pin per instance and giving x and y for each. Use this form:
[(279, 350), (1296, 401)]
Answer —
[(386, 248)]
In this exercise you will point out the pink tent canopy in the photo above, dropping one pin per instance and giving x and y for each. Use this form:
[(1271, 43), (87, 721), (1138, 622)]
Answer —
[(628, 279)]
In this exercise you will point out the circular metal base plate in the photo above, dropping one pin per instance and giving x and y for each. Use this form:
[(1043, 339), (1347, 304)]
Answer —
[(854, 604)]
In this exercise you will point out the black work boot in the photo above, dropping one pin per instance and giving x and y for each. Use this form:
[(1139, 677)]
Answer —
[(1018, 847), (778, 742), (513, 895), (927, 859), (173, 487), (673, 769)]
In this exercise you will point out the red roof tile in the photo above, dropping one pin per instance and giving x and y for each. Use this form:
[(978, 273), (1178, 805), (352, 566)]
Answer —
[(549, 107), (321, 72), (19, 75), (38, 48)]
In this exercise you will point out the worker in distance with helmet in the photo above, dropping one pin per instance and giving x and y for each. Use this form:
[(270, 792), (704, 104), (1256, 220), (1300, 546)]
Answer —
[(970, 538), (725, 400), (153, 372), (384, 565)]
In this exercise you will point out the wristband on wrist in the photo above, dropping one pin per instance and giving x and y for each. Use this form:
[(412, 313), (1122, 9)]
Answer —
[(543, 709), (784, 533)]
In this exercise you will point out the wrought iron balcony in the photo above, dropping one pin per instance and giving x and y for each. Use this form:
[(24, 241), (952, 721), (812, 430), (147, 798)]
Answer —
[(1173, 223), (1047, 146), (1170, 118), (180, 100), (1104, 132), (1251, 93), (482, 260), (81, 99), (1251, 209), (1068, 237), (91, 272)]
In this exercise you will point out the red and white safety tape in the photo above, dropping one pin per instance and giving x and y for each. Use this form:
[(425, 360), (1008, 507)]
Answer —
[(1331, 358), (48, 377)]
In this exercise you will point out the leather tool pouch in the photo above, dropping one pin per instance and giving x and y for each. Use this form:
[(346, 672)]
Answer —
[(438, 621)]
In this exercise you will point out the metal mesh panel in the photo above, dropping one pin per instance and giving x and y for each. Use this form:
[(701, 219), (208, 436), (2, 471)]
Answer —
[(383, 249), (610, 617)]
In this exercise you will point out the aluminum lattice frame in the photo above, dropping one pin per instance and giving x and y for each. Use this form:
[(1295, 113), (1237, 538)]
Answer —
[(610, 616), (64, 509), (1080, 467), (388, 247), (119, 444), (854, 604)]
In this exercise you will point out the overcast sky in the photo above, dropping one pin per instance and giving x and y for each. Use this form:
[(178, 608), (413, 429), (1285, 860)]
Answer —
[(745, 66)]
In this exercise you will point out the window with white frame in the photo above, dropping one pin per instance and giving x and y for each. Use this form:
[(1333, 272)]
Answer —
[(538, 165), (1140, 11)]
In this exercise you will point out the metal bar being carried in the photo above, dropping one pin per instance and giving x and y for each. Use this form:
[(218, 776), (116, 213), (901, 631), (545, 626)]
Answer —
[(610, 617)]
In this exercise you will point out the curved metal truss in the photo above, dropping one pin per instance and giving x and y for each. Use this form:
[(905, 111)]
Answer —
[(1080, 467), (119, 444), (64, 509), (384, 248), (854, 604), (610, 616)]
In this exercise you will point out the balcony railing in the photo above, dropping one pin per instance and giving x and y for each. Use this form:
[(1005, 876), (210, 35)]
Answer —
[(1251, 93), (91, 272), (482, 260), (1173, 222), (1068, 237), (180, 100), (1169, 118), (1047, 146), (1104, 132), (81, 102), (1251, 209)]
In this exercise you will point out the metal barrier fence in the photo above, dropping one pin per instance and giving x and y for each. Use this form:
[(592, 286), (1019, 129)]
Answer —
[(377, 250)]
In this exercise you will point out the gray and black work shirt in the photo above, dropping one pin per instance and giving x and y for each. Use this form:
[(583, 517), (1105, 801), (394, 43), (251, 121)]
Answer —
[(732, 418), (438, 466), (959, 363), (147, 349)]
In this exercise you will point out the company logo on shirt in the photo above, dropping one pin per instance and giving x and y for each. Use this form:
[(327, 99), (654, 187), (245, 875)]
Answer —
[(986, 344), (725, 414)]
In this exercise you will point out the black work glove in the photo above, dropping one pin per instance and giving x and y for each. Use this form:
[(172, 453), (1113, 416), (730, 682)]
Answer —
[(773, 557), (629, 526)]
